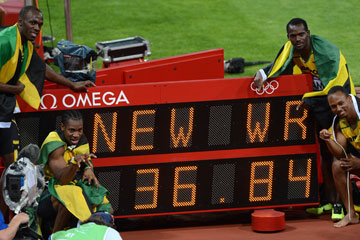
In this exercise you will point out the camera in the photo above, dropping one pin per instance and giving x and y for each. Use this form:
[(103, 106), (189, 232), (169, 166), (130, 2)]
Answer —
[(22, 183)]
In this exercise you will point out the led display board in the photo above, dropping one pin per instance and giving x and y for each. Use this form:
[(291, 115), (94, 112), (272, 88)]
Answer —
[(195, 146)]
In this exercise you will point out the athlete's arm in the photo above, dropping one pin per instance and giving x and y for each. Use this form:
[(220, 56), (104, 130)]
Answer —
[(62, 173), (53, 76), (336, 150), (14, 89)]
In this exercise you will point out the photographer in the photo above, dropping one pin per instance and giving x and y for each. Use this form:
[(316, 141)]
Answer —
[(22, 183), (8, 232), (100, 225)]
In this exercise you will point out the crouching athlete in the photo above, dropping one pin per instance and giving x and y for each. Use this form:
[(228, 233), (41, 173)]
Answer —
[(343, 141), (73, 189)]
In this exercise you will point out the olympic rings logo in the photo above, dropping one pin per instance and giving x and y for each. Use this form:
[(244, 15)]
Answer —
[(269, 87)]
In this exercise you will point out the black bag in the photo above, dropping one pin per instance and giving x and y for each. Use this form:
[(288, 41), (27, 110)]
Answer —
[(237, 65), (234, 65), (76, 61)]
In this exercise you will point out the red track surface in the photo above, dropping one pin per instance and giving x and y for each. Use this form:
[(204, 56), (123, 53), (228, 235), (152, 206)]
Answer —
[(234, 225)]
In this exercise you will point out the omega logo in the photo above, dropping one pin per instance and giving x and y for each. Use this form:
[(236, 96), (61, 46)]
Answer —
[(83, 100), (53, 106)]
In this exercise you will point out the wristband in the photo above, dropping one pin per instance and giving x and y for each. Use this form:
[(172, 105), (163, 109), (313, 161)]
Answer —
[(87, 165), (263, 75)]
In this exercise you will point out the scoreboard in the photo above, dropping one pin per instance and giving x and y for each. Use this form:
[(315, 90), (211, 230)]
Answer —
[(192, 146)]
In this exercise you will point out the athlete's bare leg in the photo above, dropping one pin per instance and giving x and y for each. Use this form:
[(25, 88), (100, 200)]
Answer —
[(63, 215), (340, 177)]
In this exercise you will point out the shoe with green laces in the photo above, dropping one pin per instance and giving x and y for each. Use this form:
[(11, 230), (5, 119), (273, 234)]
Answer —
[(319, 209), (337, 212)]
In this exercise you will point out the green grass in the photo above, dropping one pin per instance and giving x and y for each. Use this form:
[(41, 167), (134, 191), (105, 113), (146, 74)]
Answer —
[(252, 29)]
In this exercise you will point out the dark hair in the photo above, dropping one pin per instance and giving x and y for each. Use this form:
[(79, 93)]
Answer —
[(296, 21), (26, 9), (335, 89), (101, 218), (71, 114)]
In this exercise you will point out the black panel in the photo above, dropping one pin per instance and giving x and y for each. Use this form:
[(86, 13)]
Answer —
[(194, 127), (183, 127), (213, 184)]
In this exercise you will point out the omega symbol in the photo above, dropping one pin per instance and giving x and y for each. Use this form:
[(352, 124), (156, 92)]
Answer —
[(42, 105)]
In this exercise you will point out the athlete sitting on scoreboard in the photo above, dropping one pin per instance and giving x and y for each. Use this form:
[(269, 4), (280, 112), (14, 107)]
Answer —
[(73, 188), (344, 134)]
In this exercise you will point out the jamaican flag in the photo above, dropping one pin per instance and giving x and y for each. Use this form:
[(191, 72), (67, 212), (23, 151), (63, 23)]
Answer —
[(72, 195), (330, 63), (331, 67), (20, 62)]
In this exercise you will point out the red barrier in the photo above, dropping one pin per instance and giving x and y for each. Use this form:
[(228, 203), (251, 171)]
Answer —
[(196, 66), (193, 66), (165, 92), (9, 11)]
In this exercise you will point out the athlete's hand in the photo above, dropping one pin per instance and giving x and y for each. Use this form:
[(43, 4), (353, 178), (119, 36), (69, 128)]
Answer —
[(82, 86), (350, 164), (258, 80), (302, 105), (325, 135), (90, 176), (19, 87), (84, 158)]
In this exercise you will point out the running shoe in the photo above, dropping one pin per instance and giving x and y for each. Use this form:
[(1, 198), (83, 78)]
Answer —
[(337, 212), (319, 209)]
